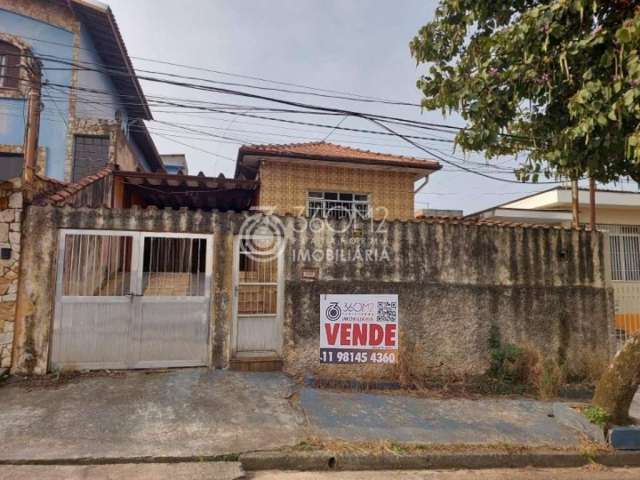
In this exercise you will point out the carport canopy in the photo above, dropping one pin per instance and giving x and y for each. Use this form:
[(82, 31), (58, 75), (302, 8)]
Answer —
[(191, 191)]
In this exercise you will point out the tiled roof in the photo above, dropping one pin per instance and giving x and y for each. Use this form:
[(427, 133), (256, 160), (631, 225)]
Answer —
[(331, 151), (67, 191), (468, 220)]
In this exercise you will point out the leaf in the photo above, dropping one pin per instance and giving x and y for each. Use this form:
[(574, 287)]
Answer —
[(623, 35), (628, 97)]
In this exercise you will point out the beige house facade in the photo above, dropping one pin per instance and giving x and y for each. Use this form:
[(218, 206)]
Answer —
[(327, 180)]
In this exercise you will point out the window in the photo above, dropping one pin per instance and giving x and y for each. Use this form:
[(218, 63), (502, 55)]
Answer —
[(10, 166), (9, 65), (90, 154), (624, 242), (174, 267), (337, 204)]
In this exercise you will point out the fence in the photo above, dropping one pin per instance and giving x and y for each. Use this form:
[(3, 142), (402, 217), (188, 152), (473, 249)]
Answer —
[(624, 241)]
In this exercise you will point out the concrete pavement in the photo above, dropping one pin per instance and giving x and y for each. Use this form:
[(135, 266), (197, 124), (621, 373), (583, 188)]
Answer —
[(143, 471), (360, 417), (200, 414), (505, 474), (195, 413)]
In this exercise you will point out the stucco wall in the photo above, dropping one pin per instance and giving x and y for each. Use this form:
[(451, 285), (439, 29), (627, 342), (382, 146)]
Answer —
[(542, 288), (545, 288), (285, 186)]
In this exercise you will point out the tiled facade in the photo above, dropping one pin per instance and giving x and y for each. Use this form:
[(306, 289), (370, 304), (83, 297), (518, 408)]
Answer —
[(285, 186)]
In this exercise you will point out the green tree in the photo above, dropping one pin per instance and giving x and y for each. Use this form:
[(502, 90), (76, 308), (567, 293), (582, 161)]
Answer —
[(558, 80)]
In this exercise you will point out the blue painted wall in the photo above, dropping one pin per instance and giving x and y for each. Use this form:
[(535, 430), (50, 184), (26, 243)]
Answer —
[(52, 41), (95, 105)]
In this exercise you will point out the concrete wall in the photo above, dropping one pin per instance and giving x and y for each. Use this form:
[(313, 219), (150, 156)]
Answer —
[(544, 288)]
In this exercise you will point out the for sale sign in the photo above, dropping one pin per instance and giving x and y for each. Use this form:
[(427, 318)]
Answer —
[(358, 328)]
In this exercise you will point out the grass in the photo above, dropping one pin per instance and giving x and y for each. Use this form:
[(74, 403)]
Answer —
[(587, 448)]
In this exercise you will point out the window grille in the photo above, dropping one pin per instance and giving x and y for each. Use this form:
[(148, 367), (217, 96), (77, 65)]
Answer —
[(90, 154), (624, 243), (9, 65), (338, 205)]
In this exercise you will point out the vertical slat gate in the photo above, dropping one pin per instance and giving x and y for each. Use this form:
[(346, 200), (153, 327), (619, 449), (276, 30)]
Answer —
[(132, 300), (258, 307)]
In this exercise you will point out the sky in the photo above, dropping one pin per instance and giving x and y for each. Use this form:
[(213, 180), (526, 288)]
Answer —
[(354, 46)]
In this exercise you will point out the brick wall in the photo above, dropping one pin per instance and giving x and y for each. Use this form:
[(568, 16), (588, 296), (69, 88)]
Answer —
[(285, 186)]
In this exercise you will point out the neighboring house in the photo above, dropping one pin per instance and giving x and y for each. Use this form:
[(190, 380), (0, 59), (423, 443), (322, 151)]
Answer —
[(175, 163), (329, 180), (91, 122), (617, 213), (89, 117)]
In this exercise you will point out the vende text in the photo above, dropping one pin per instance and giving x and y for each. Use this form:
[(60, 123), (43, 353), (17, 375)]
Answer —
[(361, 334)]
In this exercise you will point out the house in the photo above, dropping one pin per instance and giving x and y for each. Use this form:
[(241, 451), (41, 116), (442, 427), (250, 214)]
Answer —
[(152, 270), (328, 180), (90, 117), (617, 214), (175, 163)]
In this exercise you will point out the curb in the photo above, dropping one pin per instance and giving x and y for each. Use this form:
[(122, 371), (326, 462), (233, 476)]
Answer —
[(120, 460), (326, 460)]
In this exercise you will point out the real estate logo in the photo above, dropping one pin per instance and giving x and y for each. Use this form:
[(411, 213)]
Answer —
[(358, 328)]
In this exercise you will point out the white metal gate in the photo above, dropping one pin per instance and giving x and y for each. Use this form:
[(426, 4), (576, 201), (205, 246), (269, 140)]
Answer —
[(258, 298), (131, 300)]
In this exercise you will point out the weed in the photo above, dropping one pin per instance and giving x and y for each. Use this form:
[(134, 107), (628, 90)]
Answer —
[(550, 380), (597, 415)]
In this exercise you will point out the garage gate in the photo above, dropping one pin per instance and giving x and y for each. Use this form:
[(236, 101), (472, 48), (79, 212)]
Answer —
[(131, 300)]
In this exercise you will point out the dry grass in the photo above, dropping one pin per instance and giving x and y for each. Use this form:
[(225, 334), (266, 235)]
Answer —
[(586, 448)]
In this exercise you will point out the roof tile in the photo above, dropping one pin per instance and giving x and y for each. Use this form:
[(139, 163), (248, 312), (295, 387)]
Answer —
[(325, 150)]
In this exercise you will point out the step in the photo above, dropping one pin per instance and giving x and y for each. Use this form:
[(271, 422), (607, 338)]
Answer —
[(256, 364)]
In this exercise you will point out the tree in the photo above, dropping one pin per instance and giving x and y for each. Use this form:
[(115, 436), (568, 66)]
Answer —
[(558, 80), (618, 385)]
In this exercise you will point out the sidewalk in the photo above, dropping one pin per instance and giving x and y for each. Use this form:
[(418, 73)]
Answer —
[(207, 415)]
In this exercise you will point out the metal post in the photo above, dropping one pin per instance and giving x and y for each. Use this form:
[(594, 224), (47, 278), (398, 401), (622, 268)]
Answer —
[(575, 204), (592, 204)]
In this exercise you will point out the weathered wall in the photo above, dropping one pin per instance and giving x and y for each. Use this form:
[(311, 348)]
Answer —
[(543, 288), (285, 186), (37, 289)]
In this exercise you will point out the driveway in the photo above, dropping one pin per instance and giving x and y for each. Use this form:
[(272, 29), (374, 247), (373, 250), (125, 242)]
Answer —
[(179, 413)]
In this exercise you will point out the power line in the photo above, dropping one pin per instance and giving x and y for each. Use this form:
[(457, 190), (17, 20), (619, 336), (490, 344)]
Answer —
[(376, 119), (449, 162)]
